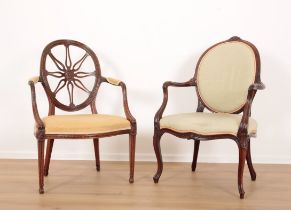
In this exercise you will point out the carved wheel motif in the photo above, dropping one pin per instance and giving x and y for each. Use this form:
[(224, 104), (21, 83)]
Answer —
[(69, 73)]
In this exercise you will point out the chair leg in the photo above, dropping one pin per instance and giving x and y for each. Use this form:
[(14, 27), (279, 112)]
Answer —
[(132, 140), (49, 148), (242, 160), (40, 145), (250, 164), (195, 154), (97, 155), (157, 148)]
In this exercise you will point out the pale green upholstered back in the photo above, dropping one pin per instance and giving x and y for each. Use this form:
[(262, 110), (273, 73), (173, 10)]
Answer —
[(224, 75)]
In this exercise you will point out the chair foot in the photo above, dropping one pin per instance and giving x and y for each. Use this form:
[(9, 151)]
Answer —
[(242, 159), (132, 142), (45, 173), (156, 178), (131, 180), (254, 177), (41, 190), (250, 164), (40, 144), (98, 167), (157, 148)]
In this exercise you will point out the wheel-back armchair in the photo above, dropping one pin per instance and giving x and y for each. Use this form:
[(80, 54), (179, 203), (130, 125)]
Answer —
[(65, 83), (227, 77)]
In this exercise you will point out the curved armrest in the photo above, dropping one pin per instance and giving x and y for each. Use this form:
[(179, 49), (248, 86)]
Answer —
[(116, 82), (243, 127), (32, 82), (161, 110)]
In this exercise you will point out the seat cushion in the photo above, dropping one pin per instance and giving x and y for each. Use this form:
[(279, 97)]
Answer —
[(206, 123), (84, 124)]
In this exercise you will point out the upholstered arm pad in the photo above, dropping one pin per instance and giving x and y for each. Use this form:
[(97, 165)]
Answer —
[(127, 112), (39, 122), (167, 84), (33, 80), (113, 81)]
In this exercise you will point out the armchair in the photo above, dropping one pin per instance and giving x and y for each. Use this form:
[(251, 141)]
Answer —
[(226, 79), (71, 77)]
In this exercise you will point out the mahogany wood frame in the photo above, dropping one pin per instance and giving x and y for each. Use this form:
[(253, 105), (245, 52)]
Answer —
[(242, 138), (41, 136)]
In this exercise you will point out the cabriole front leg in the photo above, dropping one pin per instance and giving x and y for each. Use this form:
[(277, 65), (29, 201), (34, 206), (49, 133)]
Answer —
[(157, 148), (250, 163), (243, 149)]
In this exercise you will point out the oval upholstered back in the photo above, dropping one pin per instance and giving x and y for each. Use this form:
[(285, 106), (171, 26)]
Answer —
[(224, 74)]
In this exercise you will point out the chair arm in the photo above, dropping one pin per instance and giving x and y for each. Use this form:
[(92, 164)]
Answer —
[(243, 127), (127, 112), (32, 82), (161, 110)]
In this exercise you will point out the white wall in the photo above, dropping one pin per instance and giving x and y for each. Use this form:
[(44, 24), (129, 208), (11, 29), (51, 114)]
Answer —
[(145, 43)]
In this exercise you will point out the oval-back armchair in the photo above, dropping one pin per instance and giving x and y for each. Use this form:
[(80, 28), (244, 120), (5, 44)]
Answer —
[(65, 83), (227, 77)]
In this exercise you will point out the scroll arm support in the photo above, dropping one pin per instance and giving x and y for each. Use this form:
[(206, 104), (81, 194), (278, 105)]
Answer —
[(38, 121)]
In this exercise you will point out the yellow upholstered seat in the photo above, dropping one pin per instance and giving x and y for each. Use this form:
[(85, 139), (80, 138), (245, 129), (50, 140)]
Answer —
[(206, 123), (84, 124)]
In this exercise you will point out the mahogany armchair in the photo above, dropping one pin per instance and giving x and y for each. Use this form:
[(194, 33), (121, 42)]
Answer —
[(71, 77), (226, 79)]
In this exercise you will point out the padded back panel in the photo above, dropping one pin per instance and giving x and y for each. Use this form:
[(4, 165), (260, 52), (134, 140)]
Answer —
[(224, 75)]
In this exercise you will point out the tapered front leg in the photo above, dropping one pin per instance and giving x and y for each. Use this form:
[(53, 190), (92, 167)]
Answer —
[(242, 159), (132, 141), (97, 155), (157, 148), (250, 164), (40, 145), (49, 148), (195, 154)]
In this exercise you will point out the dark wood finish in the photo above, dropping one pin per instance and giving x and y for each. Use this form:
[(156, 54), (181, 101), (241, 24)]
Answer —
[(250, 164), (132, 140), (195, 154), (40, 146), (48, 154), (242, 138), (71, 77), (97, 155)]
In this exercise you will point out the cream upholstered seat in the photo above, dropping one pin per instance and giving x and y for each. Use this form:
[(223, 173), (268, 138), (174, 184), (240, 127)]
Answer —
[(206, 123), (84, 124)]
